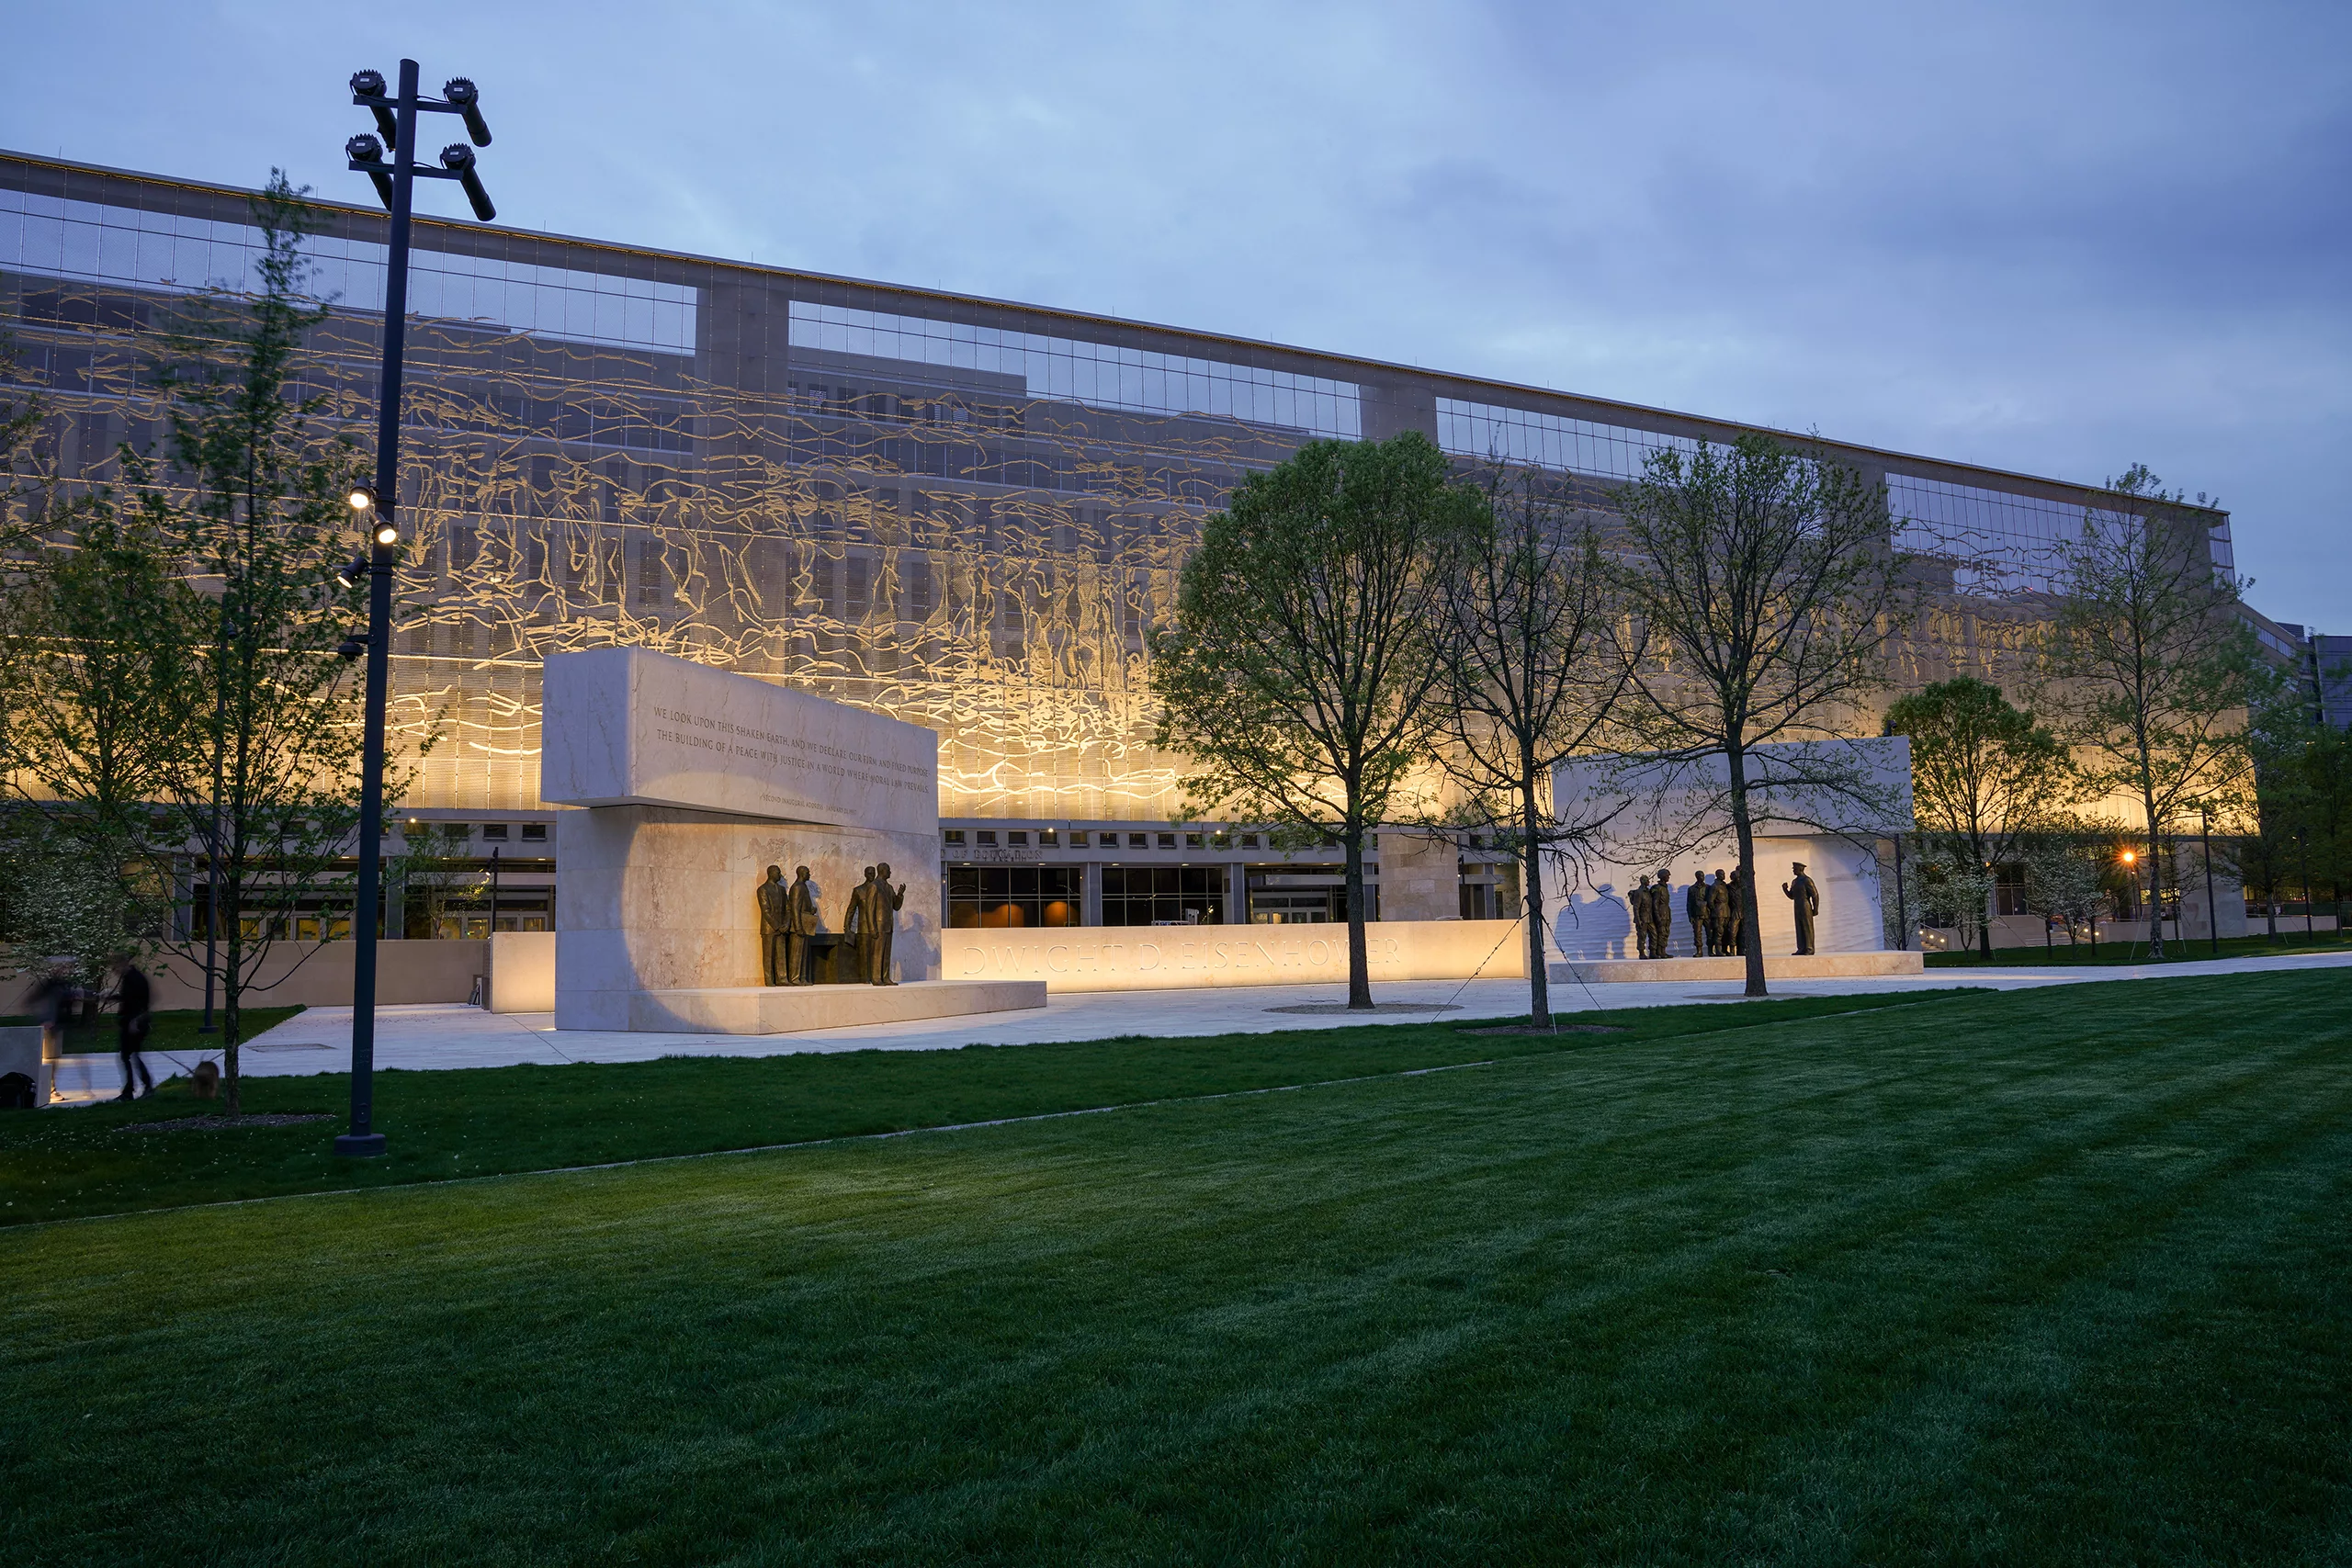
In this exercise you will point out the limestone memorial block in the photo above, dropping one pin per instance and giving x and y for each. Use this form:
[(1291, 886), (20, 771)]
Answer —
[(696, 779)]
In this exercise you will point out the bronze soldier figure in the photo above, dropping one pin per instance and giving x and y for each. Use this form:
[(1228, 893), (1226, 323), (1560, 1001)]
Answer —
[(771, 897), (1694, 908), (1662, 913), (1807, 900), (886, 902), (1644, 915), (799, 925), (1718, 912), (1736, 913)]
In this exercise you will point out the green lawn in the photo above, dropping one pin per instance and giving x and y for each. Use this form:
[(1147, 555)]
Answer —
[(2177, 951), (2059, 1277), (440, 1125)]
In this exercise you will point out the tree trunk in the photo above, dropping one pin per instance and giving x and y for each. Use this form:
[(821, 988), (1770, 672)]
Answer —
[(2155, 885), (1359, 962), (1751, 939), (1539, 978), (232, 997)]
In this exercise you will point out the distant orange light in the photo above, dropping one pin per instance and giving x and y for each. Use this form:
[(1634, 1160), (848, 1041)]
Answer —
[(2129, 857)]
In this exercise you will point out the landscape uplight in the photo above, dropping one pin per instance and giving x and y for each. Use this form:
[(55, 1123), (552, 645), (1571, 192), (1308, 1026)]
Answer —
[(368, 153), (460, 94), (368, 87), (388, 532), (362, 497), (459, 159)]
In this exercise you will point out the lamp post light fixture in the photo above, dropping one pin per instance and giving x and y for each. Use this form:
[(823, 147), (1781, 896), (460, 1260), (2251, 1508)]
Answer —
[(389, 160)]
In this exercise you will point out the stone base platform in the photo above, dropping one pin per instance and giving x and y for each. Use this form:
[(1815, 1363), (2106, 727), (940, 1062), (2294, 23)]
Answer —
[(787, 1010), (1777, 966)]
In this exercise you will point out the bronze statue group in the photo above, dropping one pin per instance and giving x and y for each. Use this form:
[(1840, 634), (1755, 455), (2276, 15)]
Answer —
[(1716, 913), (788, 924)]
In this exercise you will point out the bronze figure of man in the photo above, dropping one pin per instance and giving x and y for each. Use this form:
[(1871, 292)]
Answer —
[(1806, 898), (1736, 913), (772, 899), (799, 925), (882, 926), (858, 927), (1695, 907), (1662, 913), (1643, 917), (1718, 911)]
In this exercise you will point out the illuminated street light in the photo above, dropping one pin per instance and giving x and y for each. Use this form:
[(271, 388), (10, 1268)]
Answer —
[(389, 160)]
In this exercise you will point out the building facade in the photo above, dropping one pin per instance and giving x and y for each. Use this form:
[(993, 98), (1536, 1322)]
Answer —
[(962, 512)]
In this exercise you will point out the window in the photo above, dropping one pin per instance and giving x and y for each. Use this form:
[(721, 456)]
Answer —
[(999, 897), (1249, 841), (1050, 837), (495, 831), (953, 836), (987, 836), (1163, 894), (1016, 837), (1167, 841), (1193, 840), (535, 833), (1137, 841)]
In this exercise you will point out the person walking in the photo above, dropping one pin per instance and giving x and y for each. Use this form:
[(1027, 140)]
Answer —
[(51, 1002), (134, 1016)]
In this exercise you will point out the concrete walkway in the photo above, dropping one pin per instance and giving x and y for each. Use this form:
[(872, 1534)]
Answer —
[(447, 1035)]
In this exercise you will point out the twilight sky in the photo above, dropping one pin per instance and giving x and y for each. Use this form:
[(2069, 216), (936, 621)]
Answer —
[(2047, 237)]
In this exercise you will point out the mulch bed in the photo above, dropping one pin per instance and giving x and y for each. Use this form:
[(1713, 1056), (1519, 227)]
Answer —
[(209, 1124)]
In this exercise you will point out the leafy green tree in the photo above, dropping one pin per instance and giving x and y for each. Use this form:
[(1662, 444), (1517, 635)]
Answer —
[(1534, 672), (265, 782), (1299, 675), (2061, 875), (1765, 582), (2149, 668), (101, 660), (1984, 775)]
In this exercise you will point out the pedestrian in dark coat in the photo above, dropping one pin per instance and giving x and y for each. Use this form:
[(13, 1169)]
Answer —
[(134, 1016)]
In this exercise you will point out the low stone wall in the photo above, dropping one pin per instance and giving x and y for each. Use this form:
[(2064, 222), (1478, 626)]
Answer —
[(1788, 967), (522, 972), (319, 974), (1168, 958)]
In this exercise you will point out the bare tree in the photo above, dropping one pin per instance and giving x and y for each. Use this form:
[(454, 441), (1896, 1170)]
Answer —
[(1534, 669), (1299, 675), (2148, 668), (1764, 579)]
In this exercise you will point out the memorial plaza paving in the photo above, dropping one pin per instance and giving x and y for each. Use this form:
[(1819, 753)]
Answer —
[(445, 1036)]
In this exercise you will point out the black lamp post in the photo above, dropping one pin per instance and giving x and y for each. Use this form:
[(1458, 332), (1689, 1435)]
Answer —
[(395, 181)]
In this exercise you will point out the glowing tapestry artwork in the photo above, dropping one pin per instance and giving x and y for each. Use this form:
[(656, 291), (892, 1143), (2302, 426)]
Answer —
[(962, 514)]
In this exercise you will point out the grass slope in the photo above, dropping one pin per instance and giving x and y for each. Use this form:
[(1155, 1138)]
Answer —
[(2058, 1276), (445, 1125)]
